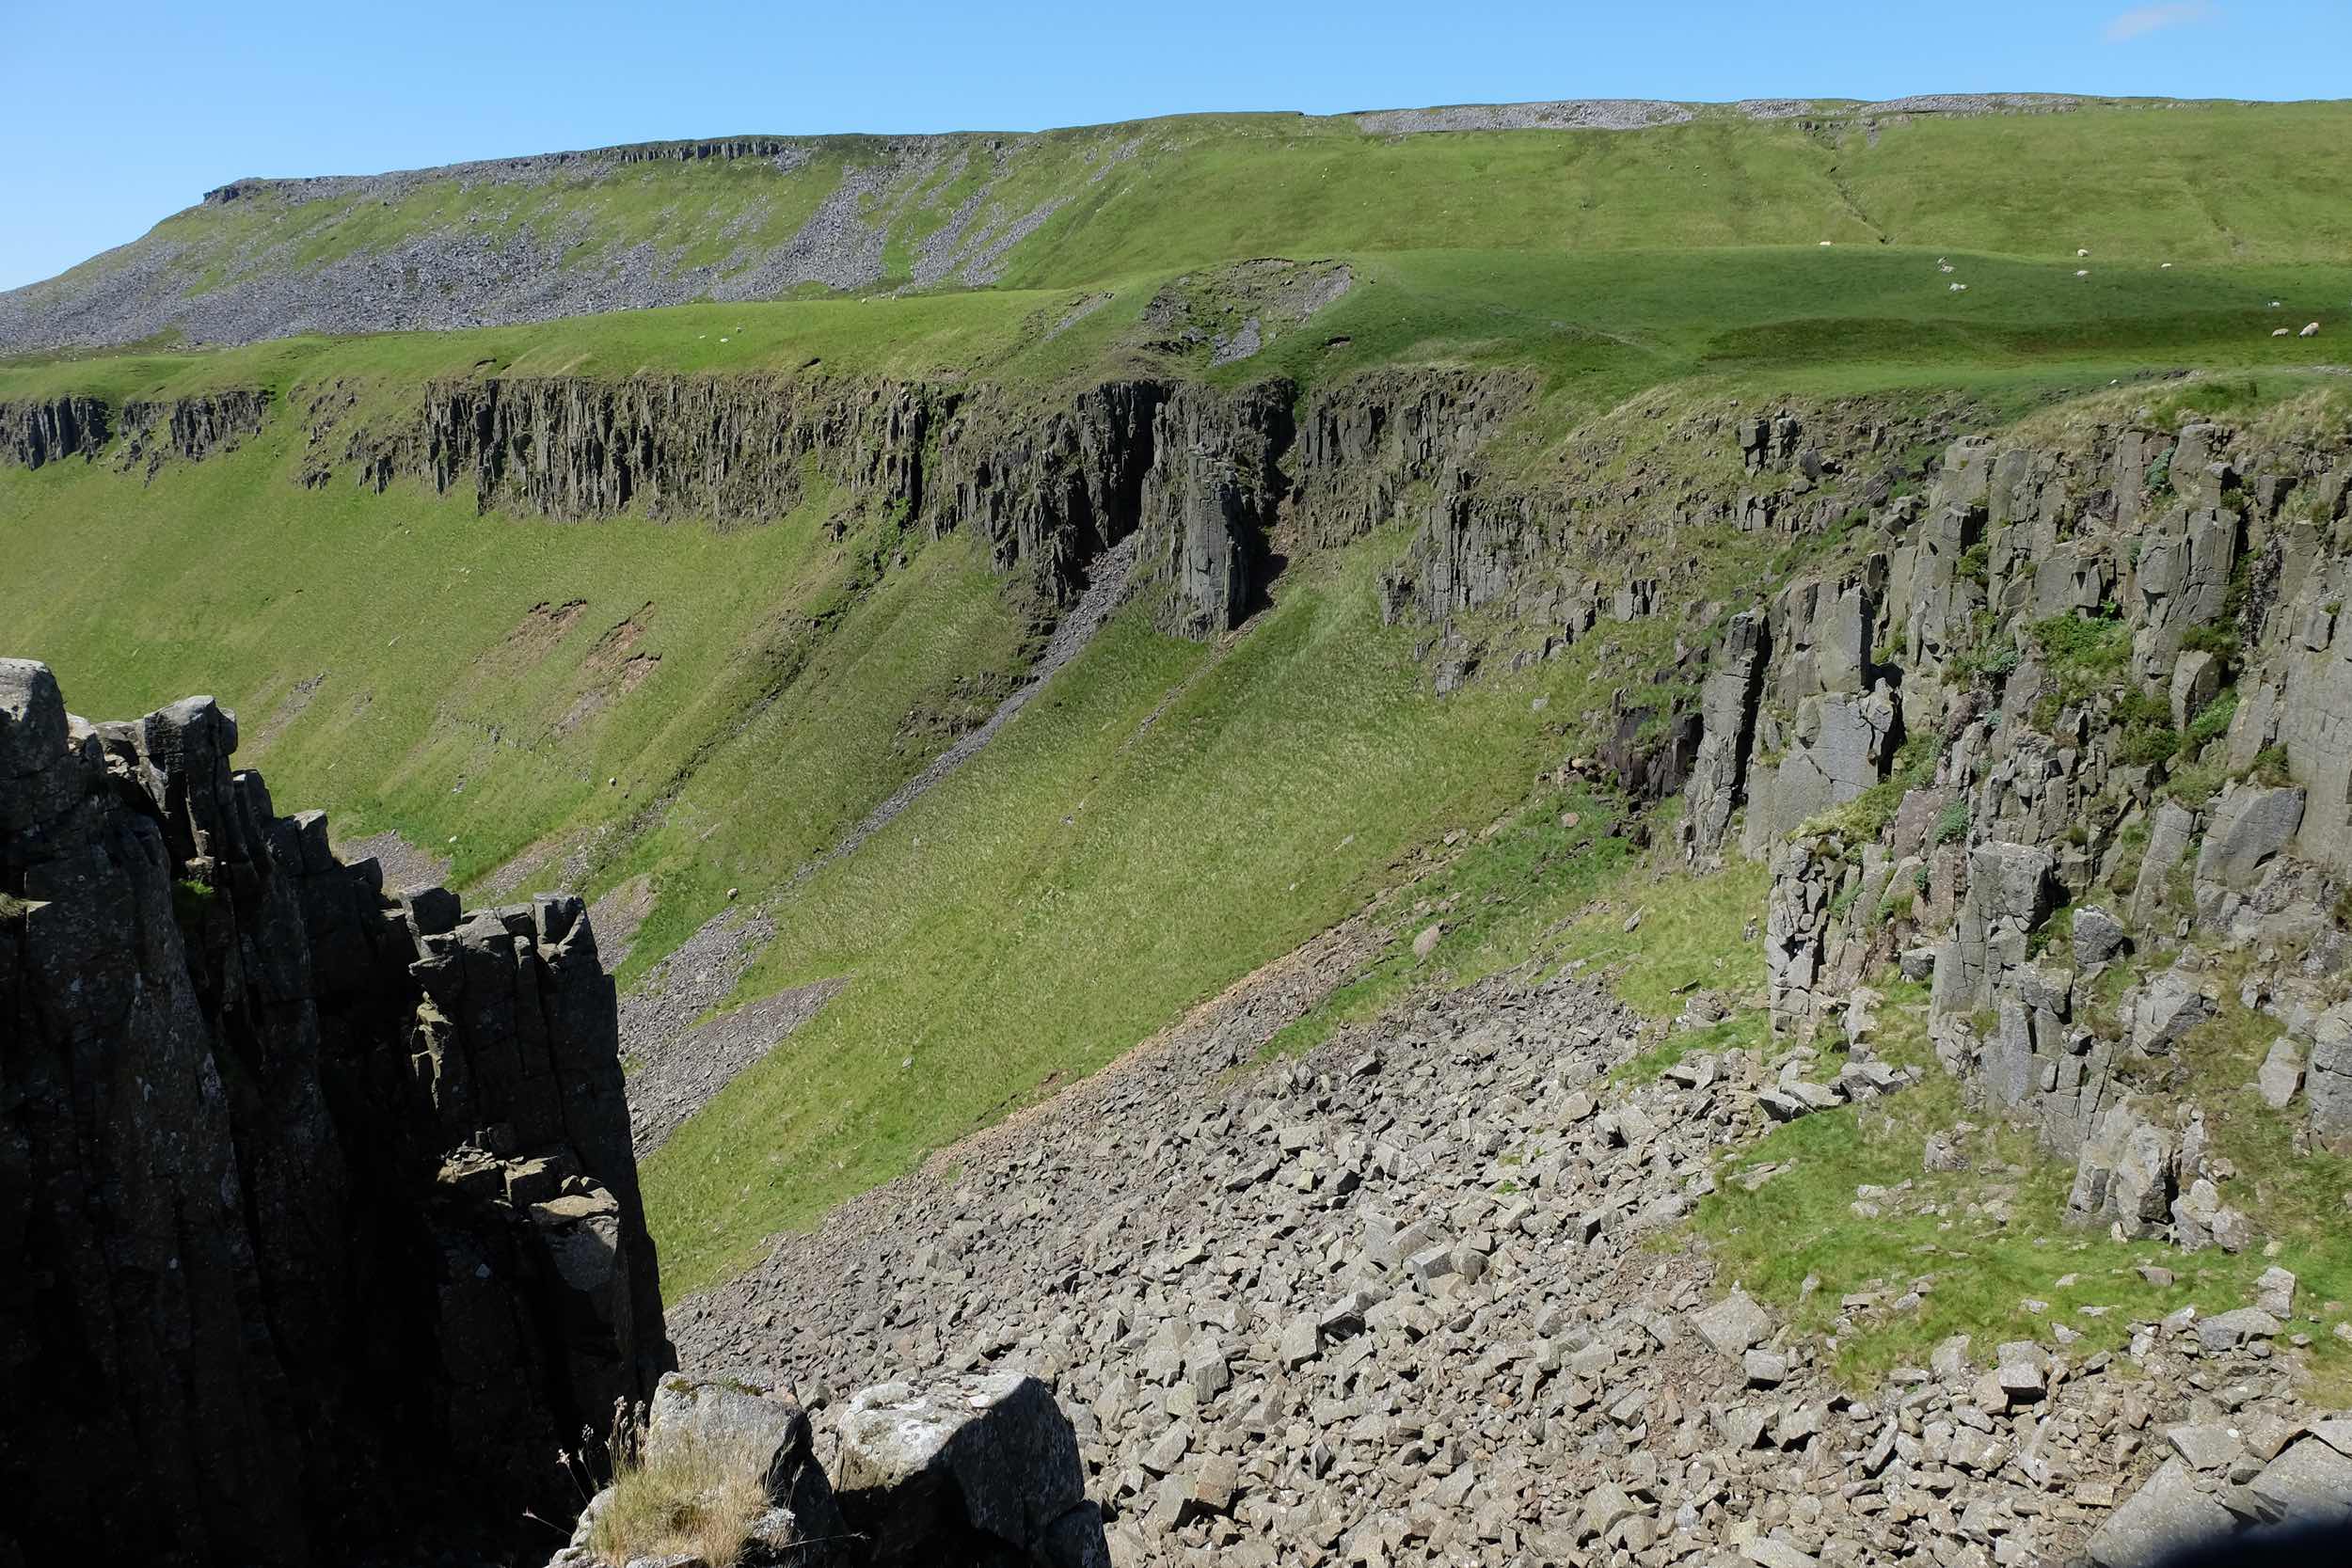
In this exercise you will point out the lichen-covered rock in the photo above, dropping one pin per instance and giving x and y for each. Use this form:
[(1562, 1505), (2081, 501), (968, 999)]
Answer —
[(983, 1470), (2251, 824), (2124, 1177)]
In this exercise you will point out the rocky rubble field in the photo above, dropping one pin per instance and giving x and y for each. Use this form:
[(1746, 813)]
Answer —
[(1421, 1297)]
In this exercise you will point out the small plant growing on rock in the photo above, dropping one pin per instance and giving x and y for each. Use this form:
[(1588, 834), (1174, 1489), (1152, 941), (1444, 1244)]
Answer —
[(691, 1495), (190, 900), (1951, 824)]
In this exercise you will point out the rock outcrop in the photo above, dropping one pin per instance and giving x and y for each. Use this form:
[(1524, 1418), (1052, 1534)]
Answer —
[(1051, 487), (322, 1219), (191, 428), (48, 430), (982, 1472), (2123, 647)]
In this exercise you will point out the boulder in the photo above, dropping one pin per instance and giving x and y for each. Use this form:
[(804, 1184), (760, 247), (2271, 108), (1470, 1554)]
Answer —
[(2165, 1513), (2281, 1074), (978, 1470), (1733, 1324), (2251, 824), (2328, 1076), (2196, 679), (2311, 1484), (2124, 1174), (2010, 882), (768, 1426), (2098, 935), (2170, 832), (2226, 1331), (2173, 1004)]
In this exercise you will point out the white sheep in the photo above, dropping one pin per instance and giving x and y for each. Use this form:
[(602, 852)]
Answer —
[(2082, 271), (2082, 252), (2282, 332), (2310, 331), (2275, 303), (1945, 266), (2164, 267), (1959, 288)]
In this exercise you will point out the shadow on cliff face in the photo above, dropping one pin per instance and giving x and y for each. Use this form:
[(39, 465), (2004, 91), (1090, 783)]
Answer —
[(325, 1228)]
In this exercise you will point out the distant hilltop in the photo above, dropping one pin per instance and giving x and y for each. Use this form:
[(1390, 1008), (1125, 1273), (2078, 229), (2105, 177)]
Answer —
[(741, 218), (1559, 113)]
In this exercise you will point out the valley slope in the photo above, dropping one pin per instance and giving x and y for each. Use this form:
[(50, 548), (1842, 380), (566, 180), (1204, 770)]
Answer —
[(1539, 550)]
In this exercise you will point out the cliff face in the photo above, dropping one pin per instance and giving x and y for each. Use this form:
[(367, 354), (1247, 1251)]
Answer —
[(322, 1222), (52, 429), (1050, 483), (2077, 700), (191, 428)]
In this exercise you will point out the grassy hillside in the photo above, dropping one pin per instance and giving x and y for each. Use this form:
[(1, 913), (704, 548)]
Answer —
[(709, 707), (1605, 324), (2221, 183)]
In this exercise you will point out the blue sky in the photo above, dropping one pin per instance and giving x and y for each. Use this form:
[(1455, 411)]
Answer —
[(118, 115)]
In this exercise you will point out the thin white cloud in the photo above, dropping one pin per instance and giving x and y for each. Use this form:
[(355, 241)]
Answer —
[(2152, 19)]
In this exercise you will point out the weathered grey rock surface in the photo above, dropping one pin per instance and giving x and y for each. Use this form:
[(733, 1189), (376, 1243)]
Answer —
[(320, 1211), (1393, 1303)]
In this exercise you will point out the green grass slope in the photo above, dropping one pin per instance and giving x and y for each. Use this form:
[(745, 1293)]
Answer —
[(2198, 183), (1603, 325)]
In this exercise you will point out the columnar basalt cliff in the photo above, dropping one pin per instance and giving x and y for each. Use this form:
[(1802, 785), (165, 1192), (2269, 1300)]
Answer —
[(1050, 484), (2067, 740), (323, 1224), (53, 429), (191, 428), (1209, 477)]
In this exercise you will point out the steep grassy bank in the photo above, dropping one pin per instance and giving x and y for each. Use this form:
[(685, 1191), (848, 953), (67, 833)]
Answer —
[(481, 684), (1168, 818)]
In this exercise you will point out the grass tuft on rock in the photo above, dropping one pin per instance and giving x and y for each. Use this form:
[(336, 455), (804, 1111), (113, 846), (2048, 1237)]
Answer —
[(690, 1495)]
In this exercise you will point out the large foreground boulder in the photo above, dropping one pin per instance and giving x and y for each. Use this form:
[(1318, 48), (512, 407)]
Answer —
[(718, 1469), (981, 1471), (977, 1472)]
